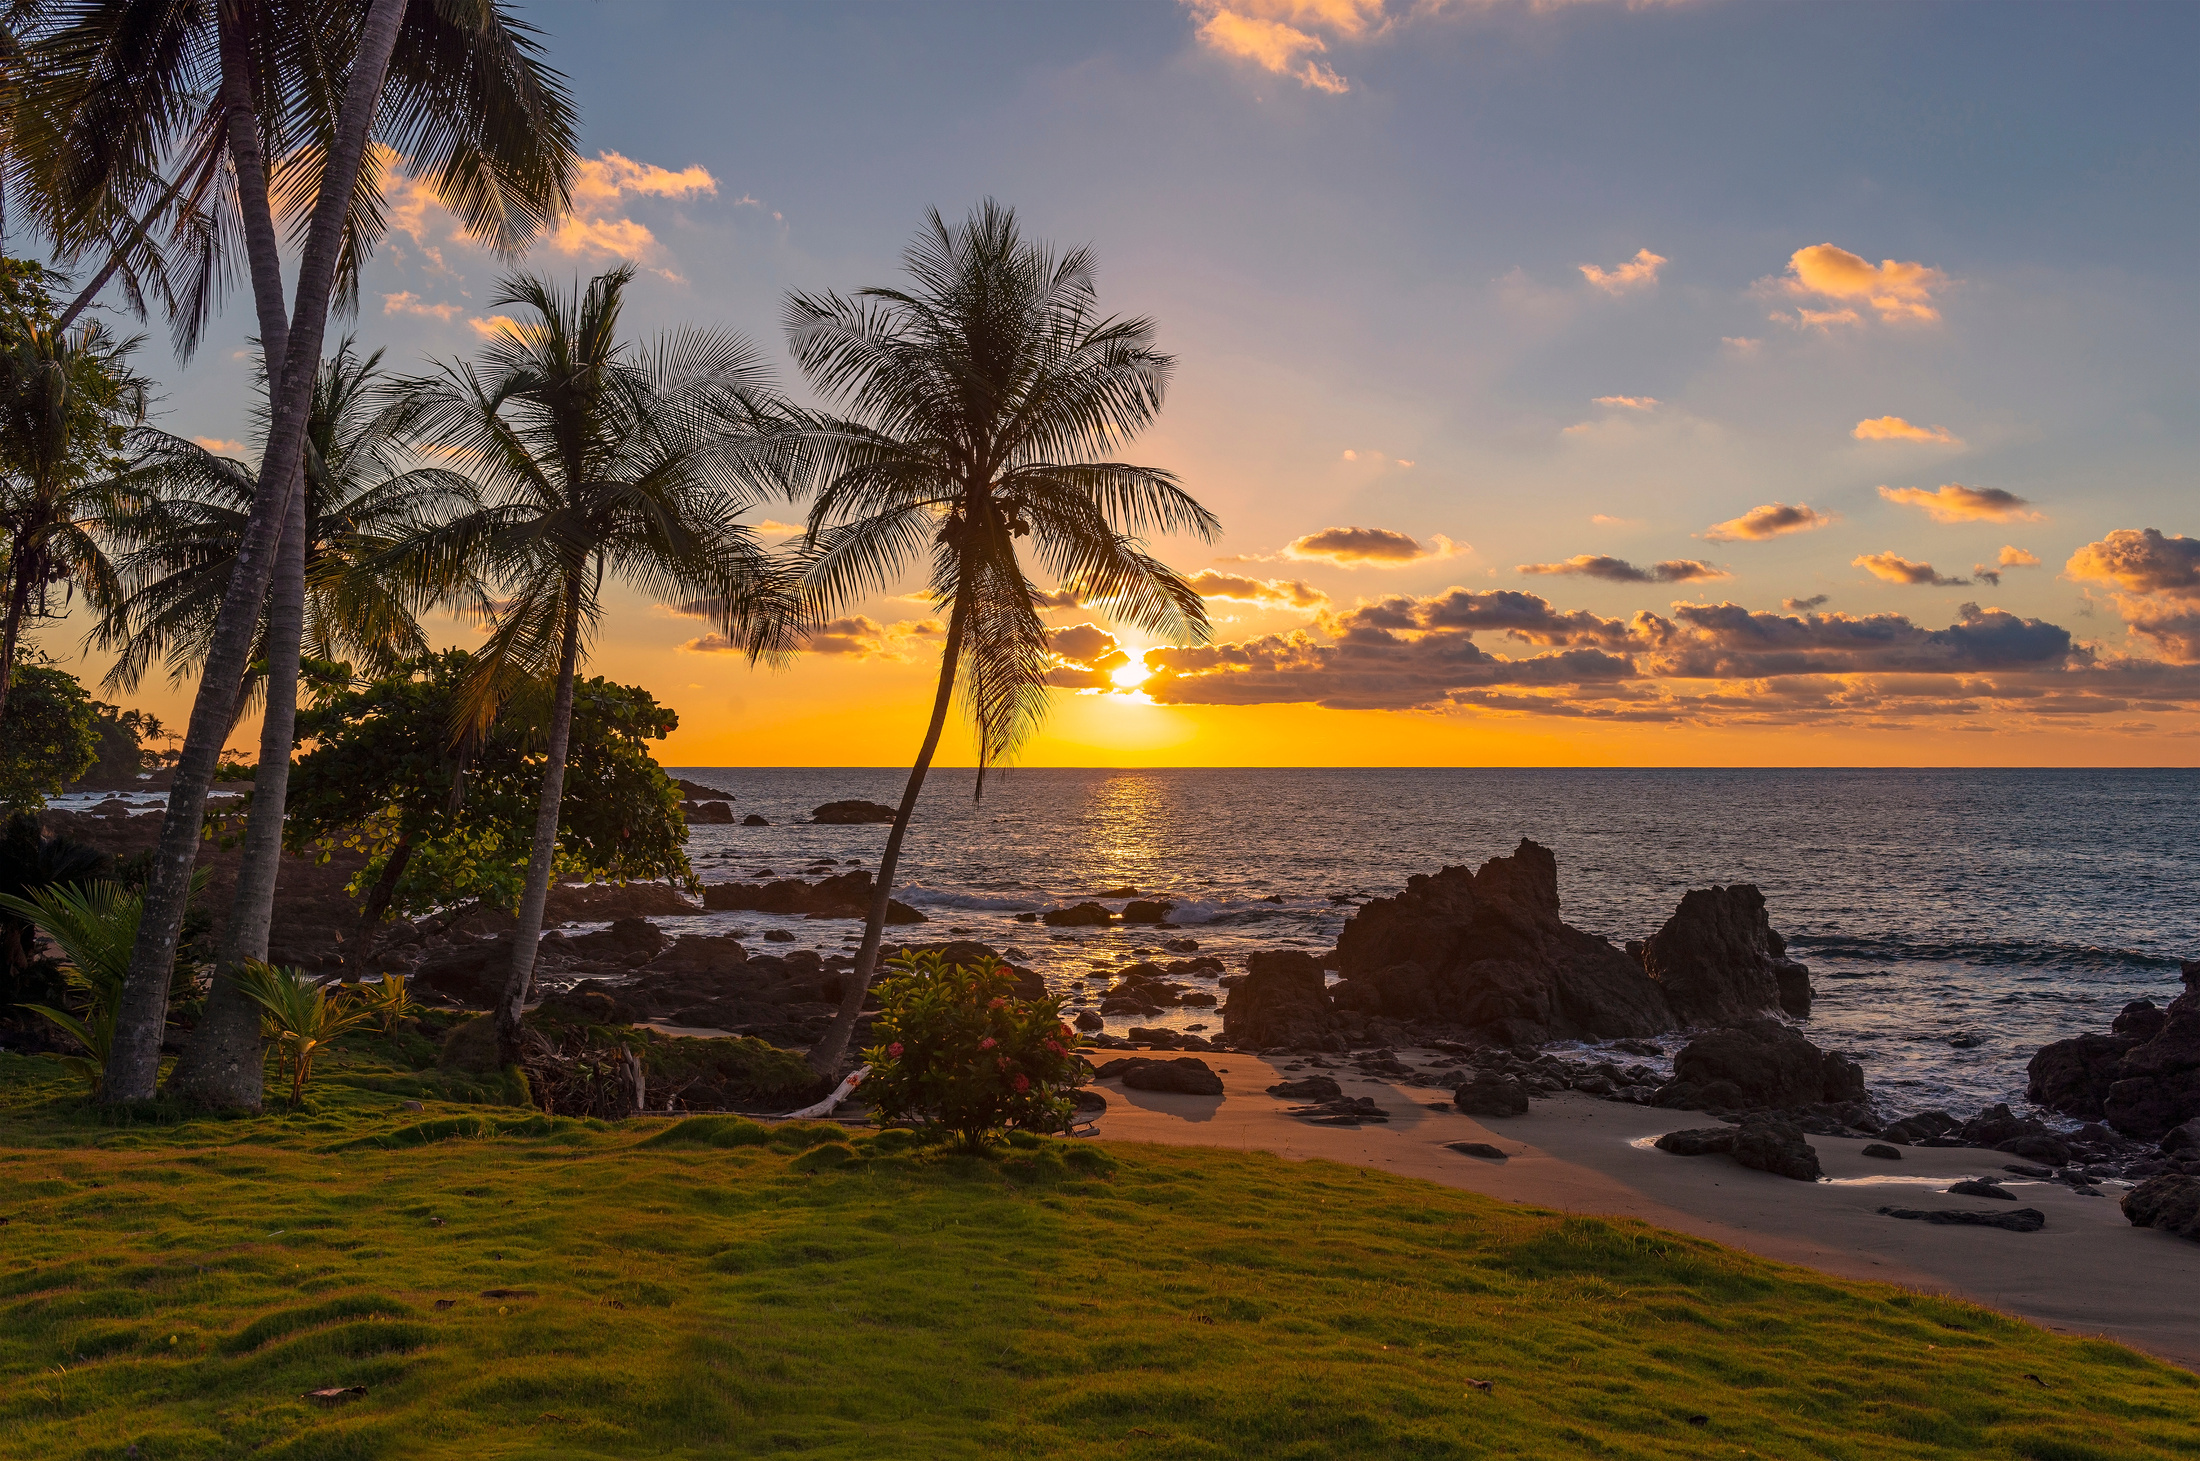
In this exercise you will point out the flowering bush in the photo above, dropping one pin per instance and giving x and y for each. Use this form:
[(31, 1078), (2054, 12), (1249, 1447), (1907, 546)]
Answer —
[(956, 1049)]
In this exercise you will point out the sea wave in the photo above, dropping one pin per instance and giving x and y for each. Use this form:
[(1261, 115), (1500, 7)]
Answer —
[(1986, 953)]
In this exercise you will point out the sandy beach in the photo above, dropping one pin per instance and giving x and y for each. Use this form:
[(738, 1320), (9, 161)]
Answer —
[(2088, 1272)]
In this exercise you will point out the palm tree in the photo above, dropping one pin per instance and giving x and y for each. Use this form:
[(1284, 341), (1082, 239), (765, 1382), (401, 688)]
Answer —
[(294, 91), (982, 406), (596, 460), (66, 399), (364, 491)]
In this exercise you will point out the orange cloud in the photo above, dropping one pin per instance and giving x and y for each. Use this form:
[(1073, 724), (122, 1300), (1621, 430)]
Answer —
[(1375, 547), (1619, 570), (1894, 568), (1264, 32), (1894, 428), (2014, 557), (601, 184), (1640, 272), (408, 303), (1894, 290), (1626, 403), (494, 325), (2174, 631), (1275, 592), (2142, 561), (1956, 503), (1773, 520), (219, 446)]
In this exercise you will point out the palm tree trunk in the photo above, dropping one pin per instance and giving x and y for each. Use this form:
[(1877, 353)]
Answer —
[(133, 1063), (11, 627), (549, 803), (825, 1056)]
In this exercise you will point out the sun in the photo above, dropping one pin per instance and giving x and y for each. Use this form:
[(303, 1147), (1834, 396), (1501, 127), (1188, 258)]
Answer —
[(1132, 675)]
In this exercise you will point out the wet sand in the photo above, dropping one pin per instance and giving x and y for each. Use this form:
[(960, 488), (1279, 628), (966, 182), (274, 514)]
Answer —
[(2088, 1272)]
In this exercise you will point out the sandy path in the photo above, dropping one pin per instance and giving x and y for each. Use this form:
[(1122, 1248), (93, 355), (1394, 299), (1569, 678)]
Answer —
[(2087, 1272)]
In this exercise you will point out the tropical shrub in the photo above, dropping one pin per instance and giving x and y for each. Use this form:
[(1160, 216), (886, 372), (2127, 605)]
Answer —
[(30, 861), (95, 924), (959, 1051), (49, 736), (302, 1018)]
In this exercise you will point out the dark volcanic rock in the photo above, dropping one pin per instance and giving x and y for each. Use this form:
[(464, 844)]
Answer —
[(1078, 915), (708, 814), (1089, 1020), (1701, 1141), (1881, 1150), (2142, 1020), (1341, 1111), (2040, 1146), (600, 902), (1761, 1063), (1187, 1076), (2073, 1076), (2023, 1220), (1488, 951), (1777, 1147), (465, 972), (2183, 1138), (1718, 960), (1480, 1149), (695, 791), (847, 895), (850, 813), (1311, 1088), (1986, 1187), (1491, 1094), (755, 820), (1145, 910), (699, 953), (1283, 1000), (2170, 1202), (2143, 1078)]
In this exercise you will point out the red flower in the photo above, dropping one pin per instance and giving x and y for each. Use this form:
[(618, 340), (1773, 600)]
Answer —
[(1022, 1084), (988, 1043), (893, 1051), (1055, 1046), (1004, 1065), (998, 1001)]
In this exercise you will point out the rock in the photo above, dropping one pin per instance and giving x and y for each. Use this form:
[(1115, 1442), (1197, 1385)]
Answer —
[(708, 814), (2022, 1169), (851, 813), (1881, 1150), (1180, 945), (699, 953), (1311, 1088), (845, 895), (2037, 1147), (1487, 950), (695, 791), (1144, 910), (604, 902), (1491, 1094), (2023, 1220), (1080, 915), (2170, 1202), (1918, 1128), (1997, 1123), (1982, 1187), (778, 936), (1089, 1020), (754, 820), (1966, 1041), (1777, 1147), (2073, 1076), (1702, 1141), (1758, 1064), (2141, 1020), (2182, 1138), (1718, 960), (469, 973), (1480, 1149), (1283, 1000), (1086, 1099), (635, 939), (1638, 1047), (1341, 1111), (1187, 1076), (2158, 1083)]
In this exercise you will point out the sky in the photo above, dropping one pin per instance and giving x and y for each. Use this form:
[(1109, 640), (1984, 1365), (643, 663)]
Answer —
[(1576, 383)]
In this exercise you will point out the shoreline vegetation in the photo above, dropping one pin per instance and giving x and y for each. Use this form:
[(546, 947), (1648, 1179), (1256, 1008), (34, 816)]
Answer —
[(523, 1284)]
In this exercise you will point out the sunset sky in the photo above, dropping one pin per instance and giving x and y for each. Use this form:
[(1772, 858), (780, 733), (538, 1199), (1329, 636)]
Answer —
[(1576, 383)]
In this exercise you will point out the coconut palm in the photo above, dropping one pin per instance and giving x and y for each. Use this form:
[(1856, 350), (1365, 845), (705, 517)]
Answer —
[(175, 550), (67, 397), (596, 459), (981, 409), (294, 91)]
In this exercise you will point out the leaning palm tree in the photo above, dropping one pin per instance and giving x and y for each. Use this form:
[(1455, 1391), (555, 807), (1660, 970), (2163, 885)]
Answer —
[(982, 406), (175, 550), (595, 459), (67, 398)]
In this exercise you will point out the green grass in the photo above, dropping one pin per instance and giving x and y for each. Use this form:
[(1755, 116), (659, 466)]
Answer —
[(714, 1288)]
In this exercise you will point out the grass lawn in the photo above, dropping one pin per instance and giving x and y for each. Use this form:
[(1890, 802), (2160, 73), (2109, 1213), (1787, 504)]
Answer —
[(515, 1286)]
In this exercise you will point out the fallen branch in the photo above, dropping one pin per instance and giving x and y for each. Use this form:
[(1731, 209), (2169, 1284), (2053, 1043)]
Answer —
[(825, 1107)]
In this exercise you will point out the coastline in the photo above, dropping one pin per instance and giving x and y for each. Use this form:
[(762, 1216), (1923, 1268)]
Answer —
[(2088, 1272)]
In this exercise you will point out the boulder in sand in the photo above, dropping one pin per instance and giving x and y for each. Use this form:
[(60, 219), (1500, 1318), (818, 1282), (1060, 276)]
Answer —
[(1186, 1076), (1700, 1141), (1283, 1000), (1491, 1094), (2022, 1220), (1777, 1147), (1719, 960), (1761, 1063), (1487, 950), (1309, 1088), (2170, 1202)]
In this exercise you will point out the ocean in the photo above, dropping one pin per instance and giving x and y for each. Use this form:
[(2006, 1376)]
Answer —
[(1954, 921)]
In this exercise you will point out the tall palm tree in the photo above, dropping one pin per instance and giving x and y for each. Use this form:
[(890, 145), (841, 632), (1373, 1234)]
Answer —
[(982, 408), (67, 398), (294, 91), (175, 551), (596, 459)]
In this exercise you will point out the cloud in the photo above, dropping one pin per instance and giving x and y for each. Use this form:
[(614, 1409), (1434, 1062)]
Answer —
[(1626, 403), (1275, 592), (1895, 291), (1985, 573), (1956, 503), (1741, 344), (1895, 568), (1061, 598), (2175, 632), (1894, 428), (1268, 33), (1375, 458), (1772, 520), (1606, 520), (1804, 606), (1086, 657), (2015, 557), (1619, 570), (408, 303), (219, 445), (1640, 272), (1376, 547), (494, 325), (2141, 562)]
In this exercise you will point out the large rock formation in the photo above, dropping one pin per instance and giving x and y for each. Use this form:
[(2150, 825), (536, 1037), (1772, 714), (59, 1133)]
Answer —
[(1718, 959), (2143, 1077), (851, 813), (1487, 950), (1283, 1000), (847, 895), (1759, 1063)]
